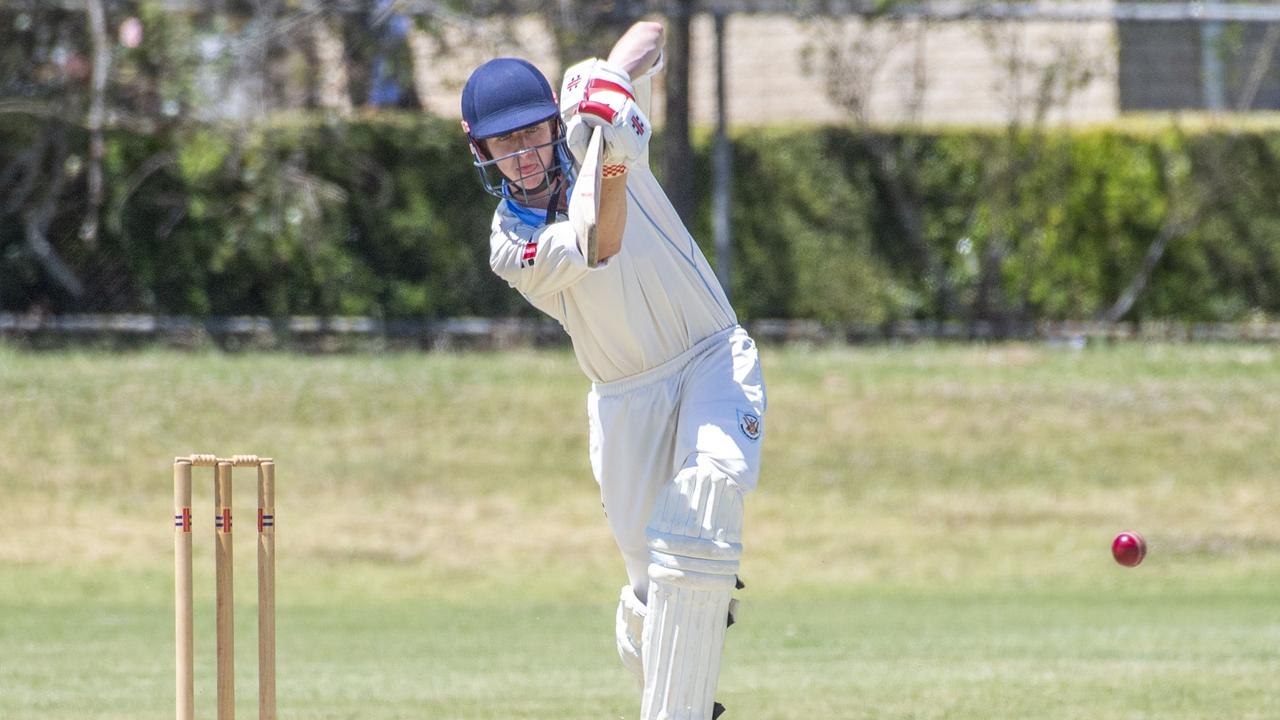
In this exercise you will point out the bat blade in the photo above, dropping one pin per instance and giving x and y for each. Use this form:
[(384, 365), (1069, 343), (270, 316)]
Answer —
[(584, 202)]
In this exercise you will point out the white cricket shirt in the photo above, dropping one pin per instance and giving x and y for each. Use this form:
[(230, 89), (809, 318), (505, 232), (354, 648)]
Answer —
[(646, 305)]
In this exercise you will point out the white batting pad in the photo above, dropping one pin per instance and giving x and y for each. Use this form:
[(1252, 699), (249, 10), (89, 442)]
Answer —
[(630, 632), (695, 541)]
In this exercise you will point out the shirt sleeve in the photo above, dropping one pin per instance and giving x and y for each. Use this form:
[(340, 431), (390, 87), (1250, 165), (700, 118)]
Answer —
[(536, 261)]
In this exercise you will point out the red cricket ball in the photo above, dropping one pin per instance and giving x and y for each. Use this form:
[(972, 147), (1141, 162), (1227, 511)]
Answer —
[(1128, 549)]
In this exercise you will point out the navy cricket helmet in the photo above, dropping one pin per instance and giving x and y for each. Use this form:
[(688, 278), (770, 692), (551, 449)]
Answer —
[(506, 94), (502, 96)]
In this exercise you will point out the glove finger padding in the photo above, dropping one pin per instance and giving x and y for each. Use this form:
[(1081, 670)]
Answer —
[(597, 93), (577, 133), (573, 89), (626, 129), (577, 79), (606, 72)]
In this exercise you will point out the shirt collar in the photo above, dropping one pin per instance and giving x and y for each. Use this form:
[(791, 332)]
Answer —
[(528, 216), (534, 217)]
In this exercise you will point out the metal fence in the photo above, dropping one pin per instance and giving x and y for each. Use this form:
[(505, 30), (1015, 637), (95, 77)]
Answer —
[(347, 334)]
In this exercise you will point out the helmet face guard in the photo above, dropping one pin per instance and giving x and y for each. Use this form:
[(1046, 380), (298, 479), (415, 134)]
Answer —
[(505, 95), (535, 183)]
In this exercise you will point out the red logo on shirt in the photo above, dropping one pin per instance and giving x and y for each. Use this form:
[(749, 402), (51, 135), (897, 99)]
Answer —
[(637, 124), (530, 252), (573, 82)]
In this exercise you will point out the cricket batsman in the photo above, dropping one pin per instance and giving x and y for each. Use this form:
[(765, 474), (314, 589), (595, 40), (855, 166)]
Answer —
[(677, 401)]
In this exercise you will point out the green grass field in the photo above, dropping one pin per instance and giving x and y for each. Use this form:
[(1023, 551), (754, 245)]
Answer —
[(930, 538)]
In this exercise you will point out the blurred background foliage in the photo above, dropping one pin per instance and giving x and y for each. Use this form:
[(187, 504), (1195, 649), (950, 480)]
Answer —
[(135, 177), (382, 216)]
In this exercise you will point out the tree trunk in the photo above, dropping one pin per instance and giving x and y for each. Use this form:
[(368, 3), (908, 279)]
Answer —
[(333, 86), (97, 112), (899, 181), (677, 152)]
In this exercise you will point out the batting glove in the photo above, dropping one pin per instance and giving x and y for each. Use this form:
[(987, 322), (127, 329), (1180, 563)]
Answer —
[(573, 88), (609, 105)]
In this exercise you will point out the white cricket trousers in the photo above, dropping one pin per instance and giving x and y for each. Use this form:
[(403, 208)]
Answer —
[(704, 406)]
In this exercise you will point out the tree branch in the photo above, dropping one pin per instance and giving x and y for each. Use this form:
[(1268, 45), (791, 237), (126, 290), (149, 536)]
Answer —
[(851, 68), (115, 216), (1261, 64), (25, 168), (36, 221), (1176, 222)]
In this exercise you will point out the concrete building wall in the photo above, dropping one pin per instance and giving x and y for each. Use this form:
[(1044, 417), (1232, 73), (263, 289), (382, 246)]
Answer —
[(935, 73), (442, 65)]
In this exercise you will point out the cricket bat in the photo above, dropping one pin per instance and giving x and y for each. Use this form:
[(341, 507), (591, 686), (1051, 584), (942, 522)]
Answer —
[(584, 202)]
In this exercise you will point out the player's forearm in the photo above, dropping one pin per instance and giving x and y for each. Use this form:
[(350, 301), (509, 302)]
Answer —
[(635, 52), (613, 215), (638, 48)]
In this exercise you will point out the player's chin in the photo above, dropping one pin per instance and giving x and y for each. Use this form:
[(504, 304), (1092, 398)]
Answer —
[(531, 177), (530, 183)]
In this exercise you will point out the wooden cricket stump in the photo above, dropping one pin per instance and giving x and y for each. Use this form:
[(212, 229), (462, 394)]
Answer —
[(184, 610)]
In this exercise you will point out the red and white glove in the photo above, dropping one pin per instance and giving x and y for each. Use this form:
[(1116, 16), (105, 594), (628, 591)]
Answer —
[(573, 88), (596, 93)]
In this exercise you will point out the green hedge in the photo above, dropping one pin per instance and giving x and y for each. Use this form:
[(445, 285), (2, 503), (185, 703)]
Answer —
[(1070, 215), (384, 216)]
